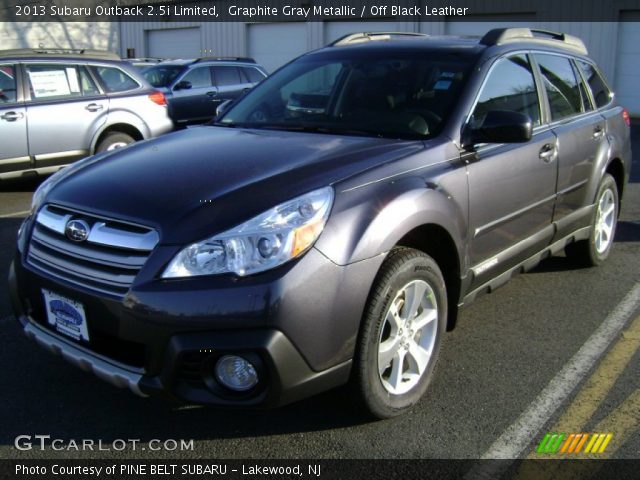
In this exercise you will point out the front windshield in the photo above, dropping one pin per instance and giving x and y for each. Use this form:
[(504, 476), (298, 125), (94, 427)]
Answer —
[(162, 75), (385, 95)]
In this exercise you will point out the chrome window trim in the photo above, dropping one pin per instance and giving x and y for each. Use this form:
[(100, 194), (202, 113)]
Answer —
[(533, 52)]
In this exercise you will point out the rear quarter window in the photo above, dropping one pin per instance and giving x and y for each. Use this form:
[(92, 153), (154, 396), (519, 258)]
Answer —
[(252, 74), (115, 80)]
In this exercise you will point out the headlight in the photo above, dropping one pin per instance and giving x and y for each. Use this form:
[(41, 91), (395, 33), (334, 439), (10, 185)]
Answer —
[(264, 242)]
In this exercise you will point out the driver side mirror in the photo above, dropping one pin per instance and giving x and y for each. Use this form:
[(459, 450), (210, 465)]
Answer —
[(501, 126), (183, 85)]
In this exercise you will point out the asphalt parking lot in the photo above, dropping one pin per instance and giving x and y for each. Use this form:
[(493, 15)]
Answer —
[(497, 370)]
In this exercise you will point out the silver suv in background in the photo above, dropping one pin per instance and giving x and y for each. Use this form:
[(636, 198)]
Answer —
[(59, 105)]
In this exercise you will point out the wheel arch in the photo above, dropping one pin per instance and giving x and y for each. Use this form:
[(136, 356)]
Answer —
[(615, 168), (435, 241), (116, 127)]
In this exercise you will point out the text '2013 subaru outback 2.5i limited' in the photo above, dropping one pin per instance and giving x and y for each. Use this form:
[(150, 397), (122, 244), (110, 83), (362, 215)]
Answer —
[(328, 226)]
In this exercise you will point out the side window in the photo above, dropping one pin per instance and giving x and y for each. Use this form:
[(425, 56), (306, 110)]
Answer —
[(584, 96), (510, 86), (252, 74), (51, 82), (115, 80), (7, 84), (87, 84), (599, 90), (226, 76), (199, 77), (561, 84)]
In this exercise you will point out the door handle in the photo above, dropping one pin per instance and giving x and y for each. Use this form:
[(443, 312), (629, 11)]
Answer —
[(212, 93), (548, 153), (598, 132), (94, 107), (12, 116)]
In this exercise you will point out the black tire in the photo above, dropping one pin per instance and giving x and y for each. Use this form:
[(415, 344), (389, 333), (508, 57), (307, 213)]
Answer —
[(585, 252), (402, 268), (114, 140)]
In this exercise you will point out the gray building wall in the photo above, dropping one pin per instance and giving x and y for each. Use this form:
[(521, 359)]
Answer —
[(100, 35), (230, 38)]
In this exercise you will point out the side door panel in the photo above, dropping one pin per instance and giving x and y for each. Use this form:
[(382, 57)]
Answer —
[(512, 187), (14, 154), (229, 82), (581, 139), (511, 200), (64, 108), (199, 101), (580, 144)]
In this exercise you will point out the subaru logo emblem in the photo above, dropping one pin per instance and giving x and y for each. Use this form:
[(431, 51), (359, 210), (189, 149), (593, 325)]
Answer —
[(77, 230)]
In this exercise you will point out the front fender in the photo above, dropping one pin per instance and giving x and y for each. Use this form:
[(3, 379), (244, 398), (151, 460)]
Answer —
[(371, 220)]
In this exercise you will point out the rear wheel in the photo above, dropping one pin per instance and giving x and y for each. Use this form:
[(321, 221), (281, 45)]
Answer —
[(114, 140), (596, 248), (401, 335)]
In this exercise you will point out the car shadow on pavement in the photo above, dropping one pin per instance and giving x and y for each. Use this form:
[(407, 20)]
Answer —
[(41, 393), (25, 184)]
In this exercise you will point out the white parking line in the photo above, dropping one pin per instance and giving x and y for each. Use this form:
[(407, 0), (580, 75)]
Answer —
[(14, 214), (515, 439)]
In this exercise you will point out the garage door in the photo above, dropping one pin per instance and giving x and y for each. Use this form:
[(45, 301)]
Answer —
[(174, 43), (335, 30), (627, 79), (274, 44), (486, 23)]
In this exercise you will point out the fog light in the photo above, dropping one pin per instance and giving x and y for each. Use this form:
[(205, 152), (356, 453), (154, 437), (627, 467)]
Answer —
[(236, 373)]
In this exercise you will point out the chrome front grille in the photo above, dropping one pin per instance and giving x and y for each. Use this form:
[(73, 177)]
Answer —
[(106, 262)]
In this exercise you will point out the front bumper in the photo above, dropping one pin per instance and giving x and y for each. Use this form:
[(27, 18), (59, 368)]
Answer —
[(297, 324)]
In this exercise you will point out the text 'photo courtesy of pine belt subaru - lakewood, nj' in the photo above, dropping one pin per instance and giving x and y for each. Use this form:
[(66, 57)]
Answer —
[(327, 227)]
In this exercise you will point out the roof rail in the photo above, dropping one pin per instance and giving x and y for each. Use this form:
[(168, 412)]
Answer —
[(361, 37), (228, 59), (59, 52), (501, 36)]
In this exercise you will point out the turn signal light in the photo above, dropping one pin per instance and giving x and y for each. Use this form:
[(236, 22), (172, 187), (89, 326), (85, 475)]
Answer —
[(158, 98)]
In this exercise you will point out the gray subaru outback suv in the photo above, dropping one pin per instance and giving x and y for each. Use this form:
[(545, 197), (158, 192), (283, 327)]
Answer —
[(328, 226), (59, 105)]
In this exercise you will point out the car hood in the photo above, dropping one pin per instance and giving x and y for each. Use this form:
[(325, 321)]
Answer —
[(201, 181)]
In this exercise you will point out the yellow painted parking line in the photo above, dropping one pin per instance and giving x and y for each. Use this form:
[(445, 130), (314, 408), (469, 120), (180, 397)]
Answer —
[(601, 381), (623, 422), (590, 397)]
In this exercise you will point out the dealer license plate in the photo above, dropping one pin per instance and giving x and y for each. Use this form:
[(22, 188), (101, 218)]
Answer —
[(66, 315)]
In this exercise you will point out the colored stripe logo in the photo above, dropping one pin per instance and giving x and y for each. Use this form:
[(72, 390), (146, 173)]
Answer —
[(574, 443)]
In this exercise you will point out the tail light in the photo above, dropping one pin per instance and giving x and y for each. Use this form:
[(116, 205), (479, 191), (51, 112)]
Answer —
[(158, 98), (626, 117)]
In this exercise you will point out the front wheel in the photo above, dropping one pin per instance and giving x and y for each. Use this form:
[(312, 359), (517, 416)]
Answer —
[(401, 334), (596, 248)]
